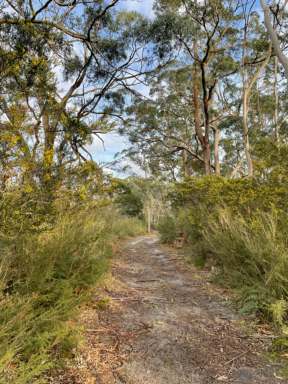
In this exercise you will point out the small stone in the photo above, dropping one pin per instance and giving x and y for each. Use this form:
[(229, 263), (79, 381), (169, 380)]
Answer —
[(222, 378)]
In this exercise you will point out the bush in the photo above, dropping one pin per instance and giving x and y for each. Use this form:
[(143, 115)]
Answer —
[(243, 196), (252, 257), (127, 226), (45, 275), (167, 229), (240, 226)]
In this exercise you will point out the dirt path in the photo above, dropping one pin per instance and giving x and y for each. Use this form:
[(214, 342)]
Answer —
[(164, 324)]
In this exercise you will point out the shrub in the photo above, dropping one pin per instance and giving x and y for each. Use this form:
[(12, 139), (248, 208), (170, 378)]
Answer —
[(240, 225), (127, 226), (243, 196), (252, 257), (167, 229), (45, 275)]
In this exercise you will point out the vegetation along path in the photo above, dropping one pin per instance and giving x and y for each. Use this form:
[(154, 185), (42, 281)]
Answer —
[(165, 323)]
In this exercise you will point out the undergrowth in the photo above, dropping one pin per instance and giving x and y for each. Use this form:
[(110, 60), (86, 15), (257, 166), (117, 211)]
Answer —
[(240, 227), (251, 256), (46, 273)]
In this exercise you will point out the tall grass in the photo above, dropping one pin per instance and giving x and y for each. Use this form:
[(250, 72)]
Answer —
[(44, 277), (252, 257), (250, 253)]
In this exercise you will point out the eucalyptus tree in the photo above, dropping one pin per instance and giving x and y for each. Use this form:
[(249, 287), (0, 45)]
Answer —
[(201, 35), (273, 18), (221, 60), (61, 65), (161, 130), (255, 56)]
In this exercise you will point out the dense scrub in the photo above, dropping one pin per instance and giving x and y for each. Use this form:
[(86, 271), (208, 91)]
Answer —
[(241, 227), (48, 268)]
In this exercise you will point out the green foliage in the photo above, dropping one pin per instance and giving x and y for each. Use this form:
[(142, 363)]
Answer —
[(240, 195), (127, 227), (240, 226), (250, 253), (45, 275), (129, 198), (278, 310), (145, 199), (167, 229)]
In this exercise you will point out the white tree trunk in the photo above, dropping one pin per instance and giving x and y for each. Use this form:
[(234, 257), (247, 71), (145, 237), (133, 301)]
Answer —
[(274, 37)]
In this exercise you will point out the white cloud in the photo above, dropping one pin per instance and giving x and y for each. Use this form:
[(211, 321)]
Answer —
[(145, 7), (131, 169), (104, 154), (105, 151)]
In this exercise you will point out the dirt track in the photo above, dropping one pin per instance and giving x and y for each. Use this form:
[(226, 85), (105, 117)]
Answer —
[(166, 324)]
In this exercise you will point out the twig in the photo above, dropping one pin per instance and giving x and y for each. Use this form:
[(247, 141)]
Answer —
[(146, 281), (237, 357), (124, 299)]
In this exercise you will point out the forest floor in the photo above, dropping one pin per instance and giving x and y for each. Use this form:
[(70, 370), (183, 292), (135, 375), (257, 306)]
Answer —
[(160, 321)]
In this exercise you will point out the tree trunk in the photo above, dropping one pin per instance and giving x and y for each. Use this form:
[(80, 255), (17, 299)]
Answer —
[(197, 108), (207, 151), (247, 88), (246, 132), (203, 139), (216, 151), (274, 37), (149, 218), (276, 96), (206, 156), (185, 164)]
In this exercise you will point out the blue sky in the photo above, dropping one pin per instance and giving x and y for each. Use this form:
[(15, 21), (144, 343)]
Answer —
[(113, 143), (142, 6)]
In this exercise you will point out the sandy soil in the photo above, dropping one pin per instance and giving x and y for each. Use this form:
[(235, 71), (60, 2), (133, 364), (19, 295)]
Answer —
[(159, 322)]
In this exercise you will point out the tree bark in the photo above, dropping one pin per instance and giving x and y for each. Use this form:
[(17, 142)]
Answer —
[(197, 108), (246, 132), (148, 217), (186, 165), (216, 151), (207, 156), (274, 37), (276, 97), (248, 84), (203, 138)]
